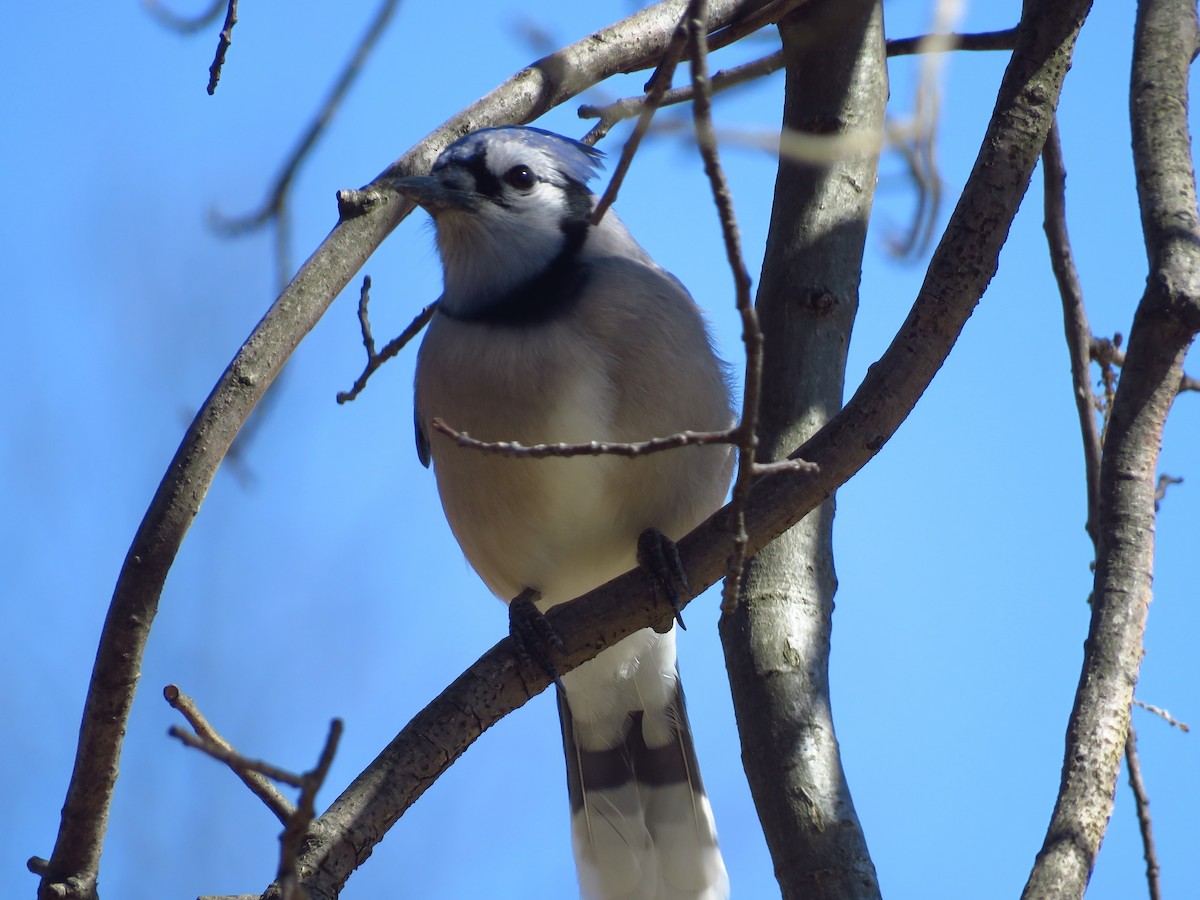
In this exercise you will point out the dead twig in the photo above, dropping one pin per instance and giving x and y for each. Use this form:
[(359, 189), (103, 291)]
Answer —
[(590, 448), (752, 336), (1142, 803), (299, 817), (223, 42), (1109, 353), (1164, 715), (258, 783), (655, 88), (394, 346)]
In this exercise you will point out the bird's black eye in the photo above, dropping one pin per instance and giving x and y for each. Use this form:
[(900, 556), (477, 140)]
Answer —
[(521, 178)]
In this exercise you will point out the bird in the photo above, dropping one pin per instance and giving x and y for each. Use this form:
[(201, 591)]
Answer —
[(552, 328)]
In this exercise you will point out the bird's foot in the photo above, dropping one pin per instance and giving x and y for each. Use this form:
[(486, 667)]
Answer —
[(533, 634), (658, 555)]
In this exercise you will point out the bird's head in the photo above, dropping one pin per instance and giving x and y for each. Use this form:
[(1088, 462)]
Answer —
[(508, 204)]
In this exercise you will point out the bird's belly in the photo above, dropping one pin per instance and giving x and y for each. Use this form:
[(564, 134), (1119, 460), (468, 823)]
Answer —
[(547, 524)]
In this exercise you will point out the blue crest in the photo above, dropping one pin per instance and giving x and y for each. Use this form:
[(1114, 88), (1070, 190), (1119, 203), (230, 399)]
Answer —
[(572, 158)]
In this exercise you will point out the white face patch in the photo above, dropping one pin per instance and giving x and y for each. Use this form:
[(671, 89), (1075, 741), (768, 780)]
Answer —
[(516, 229)]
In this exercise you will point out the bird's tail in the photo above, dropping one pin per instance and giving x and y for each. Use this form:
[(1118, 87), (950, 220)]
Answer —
[(641, 824)]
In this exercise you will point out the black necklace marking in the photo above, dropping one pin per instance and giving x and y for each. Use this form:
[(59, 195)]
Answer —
[(555, 290)]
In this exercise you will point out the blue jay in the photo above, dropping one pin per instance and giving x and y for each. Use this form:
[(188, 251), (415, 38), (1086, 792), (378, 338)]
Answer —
[(553, 329)]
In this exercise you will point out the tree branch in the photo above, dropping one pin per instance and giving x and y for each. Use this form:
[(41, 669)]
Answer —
[(258, 783), (1078, 333), (1075, 321), (776, 639), (1164, 325), (1142, 804), (223, 42), (628, 45), (752, 336)]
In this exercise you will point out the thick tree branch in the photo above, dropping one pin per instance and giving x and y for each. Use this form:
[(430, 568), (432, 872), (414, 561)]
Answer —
[(1078, 333), (1165, 323), (776, 640), (629, 45)]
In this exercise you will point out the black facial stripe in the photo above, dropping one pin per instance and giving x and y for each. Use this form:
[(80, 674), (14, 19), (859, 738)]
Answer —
[(486, 182), (554, 291)]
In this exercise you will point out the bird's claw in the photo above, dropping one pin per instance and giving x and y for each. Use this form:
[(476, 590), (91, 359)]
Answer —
[(533, 634), (658, 555)]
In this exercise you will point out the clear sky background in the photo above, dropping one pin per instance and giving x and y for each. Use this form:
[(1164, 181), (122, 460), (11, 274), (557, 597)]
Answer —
[(320, 579)]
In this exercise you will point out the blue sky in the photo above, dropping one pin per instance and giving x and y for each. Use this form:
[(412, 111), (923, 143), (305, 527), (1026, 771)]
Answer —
[(324, 582)]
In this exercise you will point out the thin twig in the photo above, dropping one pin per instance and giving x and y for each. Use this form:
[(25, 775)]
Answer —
[(1108, 352), (1004, 39), (1160, 489), (235, 760), (752, 337), (1164, 325), (628, 107), (299, 817), (589, 448), (1164, 715), (1075, 320), (768, 14), (1142, 803), (223, 42), (659, 82), (291, 842), (394, 346), (612, 113), (258, 783)]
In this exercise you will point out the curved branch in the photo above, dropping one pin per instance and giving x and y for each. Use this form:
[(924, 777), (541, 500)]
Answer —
[(1166, 321), (629, 45)]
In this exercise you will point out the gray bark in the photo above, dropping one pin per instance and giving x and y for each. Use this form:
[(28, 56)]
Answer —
[(777, 638), (1166, 321)]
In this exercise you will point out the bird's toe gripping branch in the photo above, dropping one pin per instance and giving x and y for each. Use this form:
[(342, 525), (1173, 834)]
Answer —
[(533, 634), (658, 555)]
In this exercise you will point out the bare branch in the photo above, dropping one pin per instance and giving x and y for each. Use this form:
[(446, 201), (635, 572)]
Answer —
[(258, 783), (612, 113), (392, 348), (590, 448), (659, 82), (752, 337), (1078, 333), (299, 817), (1004, 39), (1164, 715), (1075, 321), (223, 42), (1160, 489), (1109, 353), (1164, 326), (1141, 802)]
